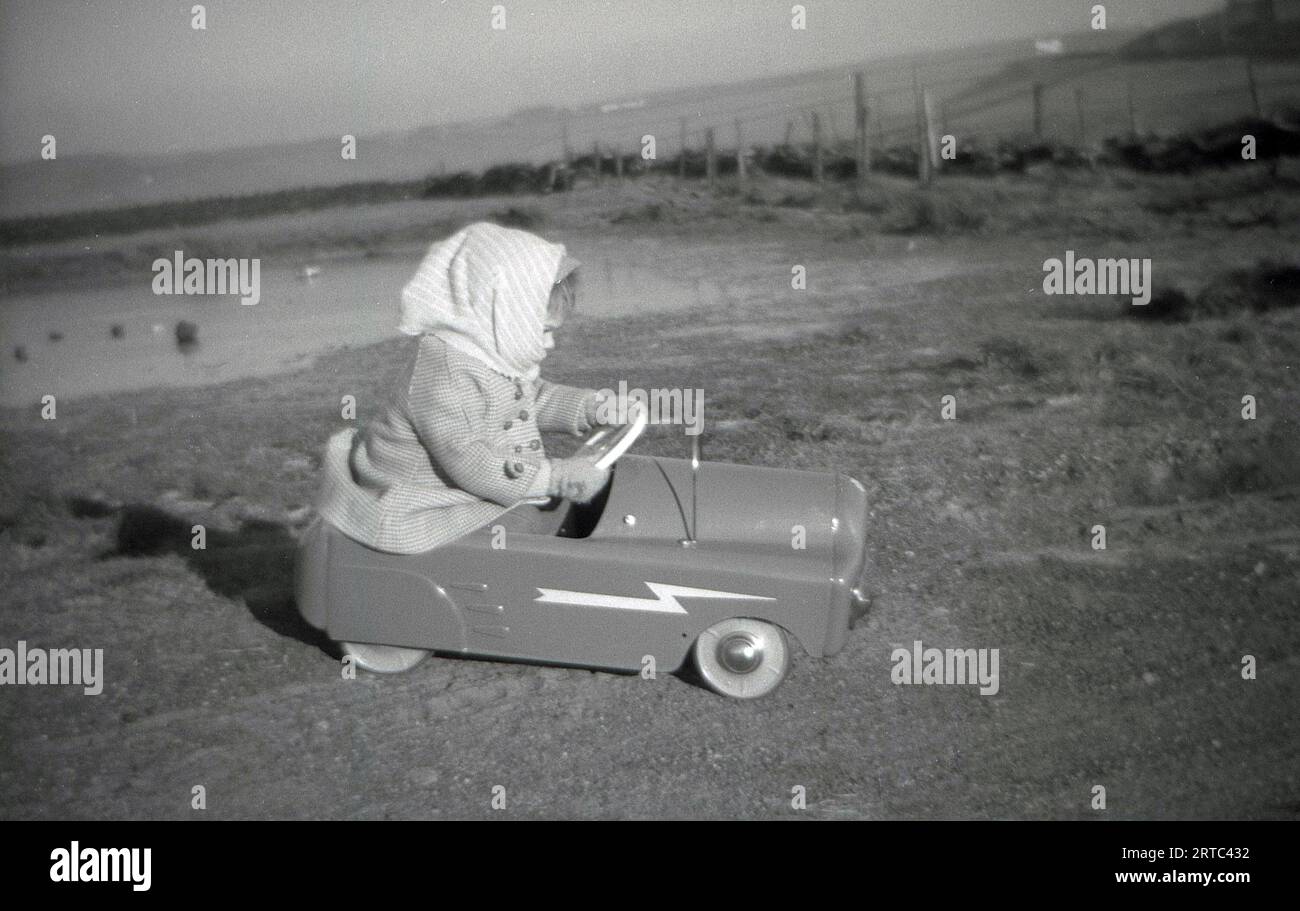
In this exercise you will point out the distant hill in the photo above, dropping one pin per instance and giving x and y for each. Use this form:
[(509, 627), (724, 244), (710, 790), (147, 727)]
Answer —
[(1260, 28), (1157, 81), (79, 182)]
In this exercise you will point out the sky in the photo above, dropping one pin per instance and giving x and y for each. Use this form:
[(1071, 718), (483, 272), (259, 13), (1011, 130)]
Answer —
[(133, 76)]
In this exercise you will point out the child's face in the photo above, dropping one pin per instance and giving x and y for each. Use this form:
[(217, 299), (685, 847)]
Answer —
[(548, 332), (561, 301)]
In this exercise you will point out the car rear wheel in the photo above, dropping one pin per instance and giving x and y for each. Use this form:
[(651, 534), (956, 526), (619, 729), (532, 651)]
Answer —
[(742, 658), (384, 659)]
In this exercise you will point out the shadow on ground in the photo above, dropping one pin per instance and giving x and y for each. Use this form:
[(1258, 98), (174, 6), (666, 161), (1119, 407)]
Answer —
[(253, 564)]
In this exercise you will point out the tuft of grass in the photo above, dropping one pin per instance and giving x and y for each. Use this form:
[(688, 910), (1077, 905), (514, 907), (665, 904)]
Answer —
[(928, 213), (1238, 334), (1167, 305), (1267, 286), (1260, 289), (849, 332), (650, 212), (1215, 466), (1013, 356), (797, 200)]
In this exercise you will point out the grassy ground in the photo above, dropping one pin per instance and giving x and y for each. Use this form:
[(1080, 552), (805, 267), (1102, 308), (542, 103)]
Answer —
[(1119, 667), (1111, 206)]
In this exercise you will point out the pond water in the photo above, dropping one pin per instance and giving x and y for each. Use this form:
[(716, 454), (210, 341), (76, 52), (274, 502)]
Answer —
[(347, 303)]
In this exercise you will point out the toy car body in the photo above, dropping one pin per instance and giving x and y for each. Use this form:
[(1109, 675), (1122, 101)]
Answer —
[(624, 577)]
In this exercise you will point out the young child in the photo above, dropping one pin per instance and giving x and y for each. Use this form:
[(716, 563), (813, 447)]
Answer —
[(459, 441)]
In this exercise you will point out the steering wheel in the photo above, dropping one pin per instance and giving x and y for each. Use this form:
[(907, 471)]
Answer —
[(606, 444)]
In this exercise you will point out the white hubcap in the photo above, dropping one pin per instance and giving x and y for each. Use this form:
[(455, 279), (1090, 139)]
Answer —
[(742, 658)]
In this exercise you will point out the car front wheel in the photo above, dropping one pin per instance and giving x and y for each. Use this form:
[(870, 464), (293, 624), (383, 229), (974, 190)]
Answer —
[(742, 658), (383, 659)]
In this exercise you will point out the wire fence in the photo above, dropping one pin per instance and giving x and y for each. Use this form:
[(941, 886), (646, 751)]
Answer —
[(1080, 99), (836, 124)]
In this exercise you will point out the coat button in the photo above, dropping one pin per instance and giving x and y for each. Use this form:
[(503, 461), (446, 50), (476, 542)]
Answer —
[(523, 415), (514, 469), (507, 425), (519, 449), (518, 467), (519, 392), (534, 444)]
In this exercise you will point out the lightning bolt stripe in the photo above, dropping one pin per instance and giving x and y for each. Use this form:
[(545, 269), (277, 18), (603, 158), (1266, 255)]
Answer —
[(664, 602)]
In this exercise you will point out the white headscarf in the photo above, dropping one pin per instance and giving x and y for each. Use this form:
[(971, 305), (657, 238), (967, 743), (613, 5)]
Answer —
[(484, 291)]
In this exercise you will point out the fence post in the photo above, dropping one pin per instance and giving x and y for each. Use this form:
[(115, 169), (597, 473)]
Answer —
[(1083, 126), (710, 157), (595, 155), (740, 152), (860, 127), (1254, 88), (1038, 110), (818, 172), (931, 130), (789, 132), (618, 162), (564, 143), (922, 134), (681, 155), (1132, 110)]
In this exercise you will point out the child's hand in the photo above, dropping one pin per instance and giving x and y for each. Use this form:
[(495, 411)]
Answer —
[(577, 479), (593, 403), (596, 410)]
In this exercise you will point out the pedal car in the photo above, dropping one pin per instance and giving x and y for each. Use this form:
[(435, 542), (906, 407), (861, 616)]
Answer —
[(675, 556)]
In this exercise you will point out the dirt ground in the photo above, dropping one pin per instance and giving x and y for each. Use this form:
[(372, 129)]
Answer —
[(1120, 668)]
